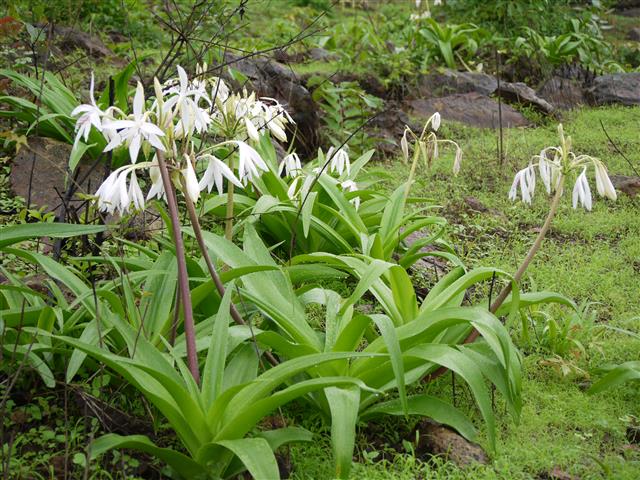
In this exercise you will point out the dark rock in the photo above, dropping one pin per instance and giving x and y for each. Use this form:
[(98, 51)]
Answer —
[(471, 109), (623, 88), (369, 83), (49, 159), (522, 93), (625, 184), (388, 127), (450, 82), (70, 38), (272, 79), (440, 440), (477, 206), (634, 34), (563, 93), (322, 55), (556, 473)]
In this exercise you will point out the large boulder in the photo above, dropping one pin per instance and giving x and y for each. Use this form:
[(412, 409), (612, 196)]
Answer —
[(622, 88), (563, 93), (522, 93), (40, 170), (471, 109), (272, 79), (451, 82)]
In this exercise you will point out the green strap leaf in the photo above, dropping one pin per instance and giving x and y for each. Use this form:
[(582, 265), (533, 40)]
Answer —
[(256, 455), (344, 404)]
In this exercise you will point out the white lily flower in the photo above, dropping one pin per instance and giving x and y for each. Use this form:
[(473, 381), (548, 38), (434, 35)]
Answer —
[(404, 145), (581, 191), (292, 191), (113, 193), (457, 163), (135, 193), (351, 186), (215, 174), (277, 130), (435, 121), (291, 165), (339, 160), (135, 131), (603, 182), (545, 171), (526, 179), (252, 131), (90, 115), (191, 181), (249, 163), (157, 187)]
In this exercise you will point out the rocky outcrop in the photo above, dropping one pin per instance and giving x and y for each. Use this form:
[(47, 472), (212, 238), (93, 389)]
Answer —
[(452, 82), (522, 93), (563, 93), (49, 159), (471, 109), (622, 88)]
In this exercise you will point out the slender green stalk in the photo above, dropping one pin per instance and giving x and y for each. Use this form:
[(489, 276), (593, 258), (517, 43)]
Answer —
[(412, 173), (197, 230), (183, 277), (228, 224)]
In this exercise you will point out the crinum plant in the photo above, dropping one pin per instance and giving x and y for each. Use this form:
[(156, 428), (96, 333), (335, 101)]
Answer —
[(166, 138)]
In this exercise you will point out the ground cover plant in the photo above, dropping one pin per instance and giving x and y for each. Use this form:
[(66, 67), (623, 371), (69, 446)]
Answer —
[(285, 267)]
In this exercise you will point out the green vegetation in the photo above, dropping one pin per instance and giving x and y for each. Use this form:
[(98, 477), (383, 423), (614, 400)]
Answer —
[(313, 317)]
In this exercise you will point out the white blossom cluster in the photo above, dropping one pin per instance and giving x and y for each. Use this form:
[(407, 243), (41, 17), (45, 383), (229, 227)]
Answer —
[(556, 163), (302, 181), (426, 145), (181, 113)]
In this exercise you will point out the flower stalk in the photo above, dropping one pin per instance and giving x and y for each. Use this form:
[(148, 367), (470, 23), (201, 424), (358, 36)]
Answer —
[(197, 230), (183, 277)]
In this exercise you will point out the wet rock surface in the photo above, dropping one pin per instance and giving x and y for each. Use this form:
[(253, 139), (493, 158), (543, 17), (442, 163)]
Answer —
[(622, 88), (563, 93), (523, 94), (49, 160), (452, 82), (629, 185), (470, 108)]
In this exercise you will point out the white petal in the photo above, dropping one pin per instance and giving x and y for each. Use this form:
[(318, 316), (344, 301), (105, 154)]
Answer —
[(138, 101), (134, 148)]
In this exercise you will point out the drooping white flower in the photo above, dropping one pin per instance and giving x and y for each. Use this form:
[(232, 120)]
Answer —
[(291, 165), (292, 191), (581, 191), (157, 187), (404, 145), (135, 192), (137, 130), (90, 116), (252, 131), (191, 181), (250, 163), (526, 180), (113, 195), (457, 163), (339, 160), (351, 186), (435, 121), (215, 174), (603, 182)]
